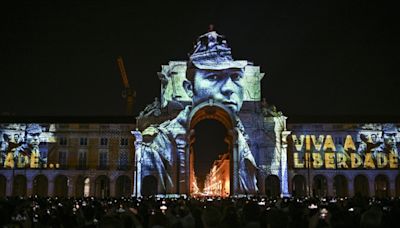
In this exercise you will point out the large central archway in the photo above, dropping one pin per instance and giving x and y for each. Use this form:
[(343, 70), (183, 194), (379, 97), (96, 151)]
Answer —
[(212, 136)]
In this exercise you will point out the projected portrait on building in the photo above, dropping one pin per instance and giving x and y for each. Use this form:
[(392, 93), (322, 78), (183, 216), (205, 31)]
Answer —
[(21, 145), (214, 86)]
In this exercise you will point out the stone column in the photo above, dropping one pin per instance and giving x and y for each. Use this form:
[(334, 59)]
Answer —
[(284, 166), (392, 187), (92, 184), (9, 186), (51, 187), (371, 181), (350, 186), (112, 186), (329, 180), (190, 161), (71, 186), (235, 165), (183, 175), (137, 175), (29, 186), (30, 176)]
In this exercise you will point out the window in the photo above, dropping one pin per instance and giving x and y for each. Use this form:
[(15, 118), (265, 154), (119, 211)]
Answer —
[(82, 159), (103, 160), (84, 126), (83, 142), (62, 158), (124, 141), (123, 160), (103, 141), (63, 141)]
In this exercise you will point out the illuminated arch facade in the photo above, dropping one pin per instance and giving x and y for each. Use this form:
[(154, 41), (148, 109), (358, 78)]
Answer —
[(265, 127)]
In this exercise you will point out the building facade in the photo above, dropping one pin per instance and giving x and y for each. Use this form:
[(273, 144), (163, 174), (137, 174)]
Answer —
[(83, 159), (98, 159), (343, 159)]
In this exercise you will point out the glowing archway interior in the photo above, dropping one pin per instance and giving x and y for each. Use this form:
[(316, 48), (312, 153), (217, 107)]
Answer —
[(215, 111)]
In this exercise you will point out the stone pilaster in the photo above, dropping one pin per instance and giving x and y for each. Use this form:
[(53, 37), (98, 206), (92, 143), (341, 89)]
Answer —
[(137, 176), (71, 186), (284, 166), (331, 191), (371, 183), (51, 187), (112, 187), (9, 186), (350, 186)]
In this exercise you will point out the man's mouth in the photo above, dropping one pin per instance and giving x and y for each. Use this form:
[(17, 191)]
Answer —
[(229, 104)]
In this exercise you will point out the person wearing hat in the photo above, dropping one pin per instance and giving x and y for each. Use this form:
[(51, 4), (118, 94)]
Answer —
[(28, 154), (389, 145), (211, 74)]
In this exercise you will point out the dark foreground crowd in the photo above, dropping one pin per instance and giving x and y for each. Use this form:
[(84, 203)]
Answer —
[(200, 212)]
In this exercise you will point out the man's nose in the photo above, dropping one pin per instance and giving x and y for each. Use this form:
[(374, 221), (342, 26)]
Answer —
[(228, 87)]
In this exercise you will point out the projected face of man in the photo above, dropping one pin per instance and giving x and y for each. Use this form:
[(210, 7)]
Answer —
[(374, 138), (33, 137), (389, 138), (224, 86), (16, 138)]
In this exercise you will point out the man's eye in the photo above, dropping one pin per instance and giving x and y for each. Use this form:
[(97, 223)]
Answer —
[(236, 77), (212, 77)]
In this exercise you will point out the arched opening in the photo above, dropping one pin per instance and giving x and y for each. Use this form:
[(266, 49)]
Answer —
[(149, 186), (3, 186), (82, 186), (61, 186), (381, 186), (320, 186), (86, 187), (272, 186), (298, 186), (340, 186), (398, 185), (19, 185), (361, 185), (40, 186), (210, 158), (123, 186), (211, 147), (102, 188)]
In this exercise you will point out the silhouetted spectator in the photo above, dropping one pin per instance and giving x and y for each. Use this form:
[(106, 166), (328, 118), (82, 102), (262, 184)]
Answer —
[(371, 218), (211, 217)]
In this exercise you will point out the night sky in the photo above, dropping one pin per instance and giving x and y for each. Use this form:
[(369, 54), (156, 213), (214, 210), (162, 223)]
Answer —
[(322, 58)]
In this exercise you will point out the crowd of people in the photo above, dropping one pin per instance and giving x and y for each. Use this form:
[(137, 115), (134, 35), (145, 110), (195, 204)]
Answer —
[(199, 212)]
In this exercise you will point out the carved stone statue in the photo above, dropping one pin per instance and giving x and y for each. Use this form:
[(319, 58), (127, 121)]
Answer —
[(269, 110), (152, 109)]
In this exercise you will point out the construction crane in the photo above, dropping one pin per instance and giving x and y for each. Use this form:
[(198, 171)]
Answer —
[(127, 93)]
